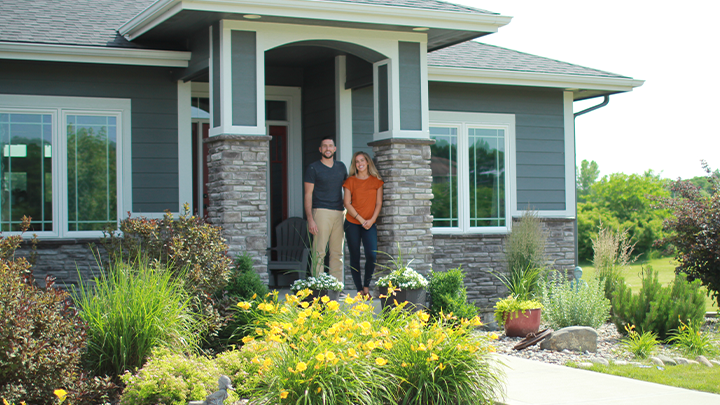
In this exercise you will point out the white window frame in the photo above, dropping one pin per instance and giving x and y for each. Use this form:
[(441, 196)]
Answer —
[(463, 121), (59, 108)]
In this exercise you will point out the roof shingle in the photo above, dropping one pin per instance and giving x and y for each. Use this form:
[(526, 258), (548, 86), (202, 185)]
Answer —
[(476, 55)]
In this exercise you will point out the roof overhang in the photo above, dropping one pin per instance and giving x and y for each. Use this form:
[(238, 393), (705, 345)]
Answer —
[(93, 54), (168, 19), (583, 87)]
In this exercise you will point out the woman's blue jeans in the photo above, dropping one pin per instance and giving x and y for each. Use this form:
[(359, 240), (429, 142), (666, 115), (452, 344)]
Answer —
[(356, 234)]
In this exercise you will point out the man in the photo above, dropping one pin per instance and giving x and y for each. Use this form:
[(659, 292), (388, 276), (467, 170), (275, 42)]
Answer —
[(324, 207)]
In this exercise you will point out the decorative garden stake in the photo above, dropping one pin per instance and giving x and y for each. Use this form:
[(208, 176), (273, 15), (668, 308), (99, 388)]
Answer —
[(218, 397)]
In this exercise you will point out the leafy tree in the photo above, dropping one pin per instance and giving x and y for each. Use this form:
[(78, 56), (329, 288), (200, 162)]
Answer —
[(587, 175), (623, 201), (695, 230)]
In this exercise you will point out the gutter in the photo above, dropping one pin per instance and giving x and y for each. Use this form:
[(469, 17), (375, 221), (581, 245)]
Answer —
[(606, 101)]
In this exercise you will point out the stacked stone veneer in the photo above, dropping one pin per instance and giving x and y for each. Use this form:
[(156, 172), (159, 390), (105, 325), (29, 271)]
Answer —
[(67, 260), (237, 188), (405, 219), (480, 254)]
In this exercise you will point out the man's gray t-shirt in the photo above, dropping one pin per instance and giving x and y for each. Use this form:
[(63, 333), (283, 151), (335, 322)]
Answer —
[(328, 183)]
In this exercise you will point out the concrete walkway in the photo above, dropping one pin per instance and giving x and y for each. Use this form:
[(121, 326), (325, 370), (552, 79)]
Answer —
[(537, 383)]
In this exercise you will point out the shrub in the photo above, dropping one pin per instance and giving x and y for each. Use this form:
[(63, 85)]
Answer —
[(173, 379), (449, 296), (695, 228), (525, 245), (612, 251), (316, 353), (656, 308), (640, 345), (567, 304), (244, 282), (131, 310), (692, 340)]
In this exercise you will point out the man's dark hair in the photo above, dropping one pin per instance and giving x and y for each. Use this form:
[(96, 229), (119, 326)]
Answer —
[(325, 138)]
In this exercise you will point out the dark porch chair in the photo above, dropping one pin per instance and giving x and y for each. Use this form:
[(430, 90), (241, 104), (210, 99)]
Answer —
[(292, 251)]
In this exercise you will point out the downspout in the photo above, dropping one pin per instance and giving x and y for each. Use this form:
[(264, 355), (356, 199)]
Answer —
[(606, 100)]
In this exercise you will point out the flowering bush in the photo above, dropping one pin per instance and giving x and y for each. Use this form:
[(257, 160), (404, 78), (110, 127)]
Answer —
[(325, 351), (174, 379), (322, 282)]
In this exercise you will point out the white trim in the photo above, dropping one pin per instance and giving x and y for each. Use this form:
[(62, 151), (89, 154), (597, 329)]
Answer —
[(315, 11), (93, 54), (462, 121), (343, 112), (185, 186), (293, 96), (60, 107), (503, 77)]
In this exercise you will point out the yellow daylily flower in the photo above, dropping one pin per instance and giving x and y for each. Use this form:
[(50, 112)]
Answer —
[(318, 390), (320, 357), (493, 336), (284, 394), (244, 305), (60, 393), (330, 356), (380, 361), (301, 366), (433, 357), (333, 306), (441, 366)]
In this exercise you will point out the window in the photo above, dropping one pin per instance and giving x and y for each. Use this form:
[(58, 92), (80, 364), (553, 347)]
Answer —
[(60, 165), (471, 184)]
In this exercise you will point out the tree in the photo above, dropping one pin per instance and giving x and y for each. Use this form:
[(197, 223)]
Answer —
[(587, 175), (695, 230), (622, 201)]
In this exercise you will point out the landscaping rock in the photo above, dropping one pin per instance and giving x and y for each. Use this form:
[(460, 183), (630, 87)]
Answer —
[(681, 360), (657, 361), (585, 365), (692, 362), (620, 363), (602, 361), (667, 360), (573, 338), (715, 362)]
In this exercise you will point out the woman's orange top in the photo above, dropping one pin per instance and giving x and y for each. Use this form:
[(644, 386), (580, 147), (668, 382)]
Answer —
[(363, 194)]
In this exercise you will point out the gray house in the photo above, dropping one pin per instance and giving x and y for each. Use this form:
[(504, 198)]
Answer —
[(137, 106)]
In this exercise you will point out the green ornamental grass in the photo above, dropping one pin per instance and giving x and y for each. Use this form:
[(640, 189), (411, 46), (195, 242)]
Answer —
[(132, 309)]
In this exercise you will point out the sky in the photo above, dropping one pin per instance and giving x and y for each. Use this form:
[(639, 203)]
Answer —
[(669, 123)]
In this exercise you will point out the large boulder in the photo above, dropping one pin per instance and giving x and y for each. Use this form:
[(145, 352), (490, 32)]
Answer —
[(573, 338)]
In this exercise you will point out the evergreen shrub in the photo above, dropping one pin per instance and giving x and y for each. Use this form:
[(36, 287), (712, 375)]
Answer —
[(448, 294), (656, 308)]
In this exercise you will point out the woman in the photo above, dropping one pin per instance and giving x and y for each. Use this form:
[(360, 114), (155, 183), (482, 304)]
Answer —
[(363, 200)]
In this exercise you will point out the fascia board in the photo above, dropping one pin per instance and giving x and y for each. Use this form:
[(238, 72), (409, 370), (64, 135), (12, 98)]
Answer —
[(484, 76), (317, 10), (93, 54)]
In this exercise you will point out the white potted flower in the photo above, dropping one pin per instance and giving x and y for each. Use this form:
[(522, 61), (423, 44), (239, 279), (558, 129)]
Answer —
[(323, 284), (407, 285)]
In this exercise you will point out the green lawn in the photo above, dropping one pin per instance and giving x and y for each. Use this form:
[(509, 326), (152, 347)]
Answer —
[(691, 376), (665, 266)]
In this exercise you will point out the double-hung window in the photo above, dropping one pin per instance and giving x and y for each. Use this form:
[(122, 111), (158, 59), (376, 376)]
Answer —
[(472, 169), (61, 163)]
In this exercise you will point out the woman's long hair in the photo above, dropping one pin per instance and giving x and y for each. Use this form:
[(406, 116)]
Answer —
[(372, 170)]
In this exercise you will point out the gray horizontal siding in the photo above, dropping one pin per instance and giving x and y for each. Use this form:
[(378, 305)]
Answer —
[(318, 108), (154, 115), (363, 119), (539, 134)]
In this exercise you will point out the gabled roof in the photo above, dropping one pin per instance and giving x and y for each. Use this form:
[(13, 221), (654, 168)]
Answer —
[(476, 55), (96, 22), (475, 62), (68, 22)]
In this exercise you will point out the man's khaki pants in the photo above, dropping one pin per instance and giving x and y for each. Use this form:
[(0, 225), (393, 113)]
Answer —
[(330, 236)]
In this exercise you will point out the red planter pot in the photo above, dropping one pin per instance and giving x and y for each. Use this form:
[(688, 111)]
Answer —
[(522, 323)]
